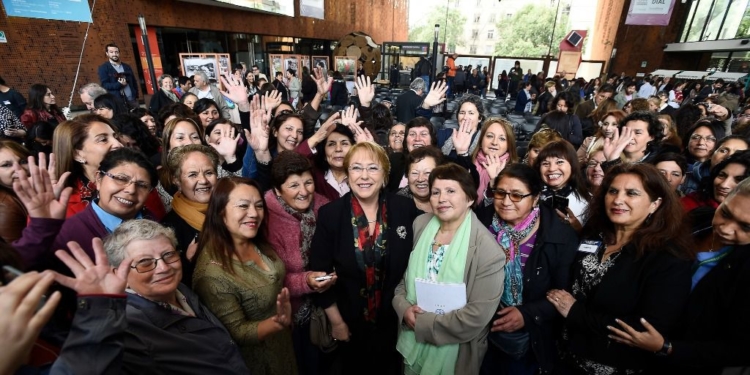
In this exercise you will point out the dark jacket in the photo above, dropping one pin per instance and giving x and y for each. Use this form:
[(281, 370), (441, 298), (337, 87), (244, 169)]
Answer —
[(716, 328), (409, 106), (281, 87), (185, 235), (14, 101), (472, 80), (339, 93), (108, 78), (655, 286), (309, 89), (158, 101), (548, 267)]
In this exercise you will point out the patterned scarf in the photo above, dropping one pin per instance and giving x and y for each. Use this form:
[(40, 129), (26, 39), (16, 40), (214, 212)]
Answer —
[(370, 252), (307, 222), (510, 239), (86, 189), (484, 176)]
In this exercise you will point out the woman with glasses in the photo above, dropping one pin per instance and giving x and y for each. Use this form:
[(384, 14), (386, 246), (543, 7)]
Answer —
[(539, 249), (725, 147), (124, 180), (700, 140), (419, 164), (723, 178), (594, 171), (42, 107), (366, 239), (605, 130), (240, 278), (193, 341), (451, 247)]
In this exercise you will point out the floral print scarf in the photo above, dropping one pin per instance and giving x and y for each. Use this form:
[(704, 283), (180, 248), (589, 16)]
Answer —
[(370, 251)]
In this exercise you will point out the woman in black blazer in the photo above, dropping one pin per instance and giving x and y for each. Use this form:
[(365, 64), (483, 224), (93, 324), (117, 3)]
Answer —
[(553, 245), (715, 328), (164, 96), (632, 264), (369, 266)]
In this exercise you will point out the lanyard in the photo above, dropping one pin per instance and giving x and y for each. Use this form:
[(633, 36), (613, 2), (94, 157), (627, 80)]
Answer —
[(713, 259)]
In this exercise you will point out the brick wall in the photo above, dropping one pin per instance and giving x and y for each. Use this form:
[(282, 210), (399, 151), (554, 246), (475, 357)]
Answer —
[(45, 51)]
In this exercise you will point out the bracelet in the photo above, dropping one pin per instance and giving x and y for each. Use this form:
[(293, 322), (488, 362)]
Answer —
[(465, 154)]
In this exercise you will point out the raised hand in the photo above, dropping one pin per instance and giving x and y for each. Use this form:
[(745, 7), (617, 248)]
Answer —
[(234, 89), (365, 90), (613, 147), (226, 145), (272, 100), (494, 165), (436, 95), (463, 136), (349, 117), (324, 131), (22, 322), (92, 277), (38, 195)]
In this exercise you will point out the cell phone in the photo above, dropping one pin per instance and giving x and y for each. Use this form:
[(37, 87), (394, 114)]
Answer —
[(323, 278), (560, 203)]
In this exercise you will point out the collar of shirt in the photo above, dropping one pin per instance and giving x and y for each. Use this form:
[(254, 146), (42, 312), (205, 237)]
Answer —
[(342, 187), (110, 222)]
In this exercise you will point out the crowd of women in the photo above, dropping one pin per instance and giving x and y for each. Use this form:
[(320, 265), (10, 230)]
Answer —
[(184, 242)]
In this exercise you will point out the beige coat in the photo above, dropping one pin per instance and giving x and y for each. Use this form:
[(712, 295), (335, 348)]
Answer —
[(469, 325)]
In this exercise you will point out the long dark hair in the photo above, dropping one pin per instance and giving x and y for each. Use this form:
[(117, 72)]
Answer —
[(564, 150), (36, 99), (215, 238), (665, 230), (706, 187)]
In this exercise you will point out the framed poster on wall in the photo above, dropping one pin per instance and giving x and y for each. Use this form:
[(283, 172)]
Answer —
[(291, 62), (276, 65), (194, 63), (321, 62), (305, 63), (347, 65)]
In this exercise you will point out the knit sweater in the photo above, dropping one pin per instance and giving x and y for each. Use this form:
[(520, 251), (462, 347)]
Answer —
[(283, 233)]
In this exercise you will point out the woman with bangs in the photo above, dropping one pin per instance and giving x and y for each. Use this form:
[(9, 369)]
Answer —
[(605, 130), (497, 148), (565, 188), (638, 140), (723, 178)]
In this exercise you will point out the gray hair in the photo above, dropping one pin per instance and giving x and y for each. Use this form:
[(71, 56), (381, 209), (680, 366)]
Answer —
[(203, 75), (417, 84), (93, 89), (115, 244), (163, 77), (743, 188), (178, 155)]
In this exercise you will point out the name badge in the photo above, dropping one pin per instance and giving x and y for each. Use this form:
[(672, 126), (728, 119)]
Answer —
[(6, 102), (589, 246)]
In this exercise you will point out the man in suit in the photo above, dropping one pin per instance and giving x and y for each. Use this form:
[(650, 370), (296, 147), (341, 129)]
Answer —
[(118, 78), (710, 90), (411, 104), (583, 110)]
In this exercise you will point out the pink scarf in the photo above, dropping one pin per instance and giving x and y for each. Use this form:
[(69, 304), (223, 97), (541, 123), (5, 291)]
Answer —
[(484, 176)]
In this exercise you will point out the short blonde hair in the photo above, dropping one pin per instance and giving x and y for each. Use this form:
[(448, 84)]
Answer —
[(374, 150)]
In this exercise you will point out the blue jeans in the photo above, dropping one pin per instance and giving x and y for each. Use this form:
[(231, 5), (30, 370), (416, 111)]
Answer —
[(426, 84)]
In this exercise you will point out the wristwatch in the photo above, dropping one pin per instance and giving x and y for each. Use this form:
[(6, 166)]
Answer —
[(664, 349), (464, 154)]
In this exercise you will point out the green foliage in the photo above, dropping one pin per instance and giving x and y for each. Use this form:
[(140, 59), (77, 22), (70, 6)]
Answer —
[(527, 33), (425, 33)]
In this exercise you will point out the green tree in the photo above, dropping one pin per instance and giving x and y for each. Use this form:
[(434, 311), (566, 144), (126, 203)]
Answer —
[(452, 32), (527, 33)]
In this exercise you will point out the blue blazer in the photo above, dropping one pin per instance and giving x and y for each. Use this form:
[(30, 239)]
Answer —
[(108, 77)]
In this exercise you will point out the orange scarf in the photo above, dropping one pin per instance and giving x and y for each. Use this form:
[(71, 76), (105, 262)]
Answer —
[(193, 213)]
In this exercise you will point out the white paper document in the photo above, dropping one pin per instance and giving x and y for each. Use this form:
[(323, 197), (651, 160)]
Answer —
[(440, 298)]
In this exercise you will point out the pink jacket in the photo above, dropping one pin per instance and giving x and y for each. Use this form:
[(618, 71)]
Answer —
[(284, 235)]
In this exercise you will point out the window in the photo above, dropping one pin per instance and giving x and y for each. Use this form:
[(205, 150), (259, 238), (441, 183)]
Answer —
[(492, 18), (477, 17), (490, 34), (489, 50), (473, 50), (508, 15), (474, 34)]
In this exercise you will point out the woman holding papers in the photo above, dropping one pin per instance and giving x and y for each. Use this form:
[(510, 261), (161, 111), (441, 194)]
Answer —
[(365, 237), (539, 248), (452, 248), (632, 265)]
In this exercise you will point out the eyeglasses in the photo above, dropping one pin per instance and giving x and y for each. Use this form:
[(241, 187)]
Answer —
[(514, 197), (698, 138), (123, 181), (149, 264), (371, 169)]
